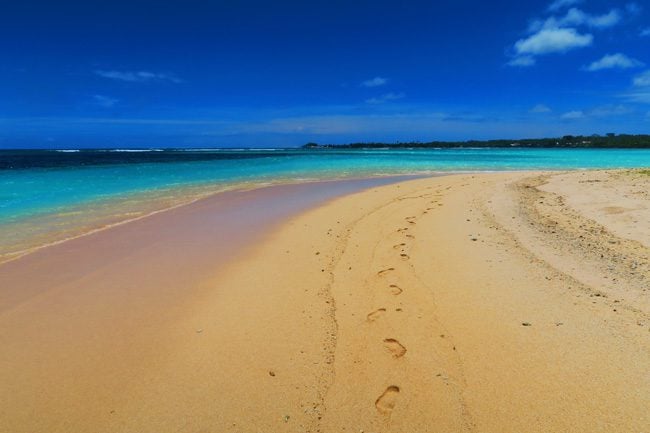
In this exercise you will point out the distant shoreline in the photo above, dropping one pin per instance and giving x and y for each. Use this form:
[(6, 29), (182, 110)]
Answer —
[(608, 141), (594, 141)]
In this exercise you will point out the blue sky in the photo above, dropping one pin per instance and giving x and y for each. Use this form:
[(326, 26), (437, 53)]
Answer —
[(252, 73)]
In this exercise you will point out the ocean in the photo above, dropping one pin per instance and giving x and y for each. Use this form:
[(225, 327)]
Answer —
[(50, 195)]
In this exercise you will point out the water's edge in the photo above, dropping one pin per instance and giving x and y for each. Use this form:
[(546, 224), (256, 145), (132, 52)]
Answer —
[(29, 244)]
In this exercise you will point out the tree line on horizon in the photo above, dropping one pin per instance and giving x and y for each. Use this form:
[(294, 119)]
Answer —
[(610, 140)]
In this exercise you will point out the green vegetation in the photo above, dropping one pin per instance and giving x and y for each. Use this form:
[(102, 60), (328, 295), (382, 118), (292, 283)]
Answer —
[(568, 141)]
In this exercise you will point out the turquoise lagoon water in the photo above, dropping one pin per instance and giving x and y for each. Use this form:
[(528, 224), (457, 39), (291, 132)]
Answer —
[(45, 191)]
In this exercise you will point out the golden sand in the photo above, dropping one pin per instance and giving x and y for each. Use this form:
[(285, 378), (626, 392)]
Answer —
[(512, 302)]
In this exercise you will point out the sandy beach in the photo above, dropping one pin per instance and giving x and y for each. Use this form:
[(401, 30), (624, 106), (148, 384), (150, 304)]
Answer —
[(493, 302)]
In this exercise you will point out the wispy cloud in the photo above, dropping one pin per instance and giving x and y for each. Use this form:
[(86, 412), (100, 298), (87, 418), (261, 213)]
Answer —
[(640, 92), (614, 61), (645, 32), (522, 61), (573, 115), (640, 97), (576, 17), (375, 82), (603, 111), (386, 97), (295, 128), (609, 19), (610, 111), (138, 76), (560, 4), (642, 80), (548, 41), (540, 109), (105, 101)]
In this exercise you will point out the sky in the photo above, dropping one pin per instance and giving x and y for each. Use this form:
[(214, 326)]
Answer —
[(283, 73)]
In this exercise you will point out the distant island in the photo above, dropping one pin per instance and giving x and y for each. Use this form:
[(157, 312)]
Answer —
[(568, 141)]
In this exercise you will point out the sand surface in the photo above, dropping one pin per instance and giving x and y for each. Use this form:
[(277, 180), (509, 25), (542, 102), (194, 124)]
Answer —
[(511, 302)]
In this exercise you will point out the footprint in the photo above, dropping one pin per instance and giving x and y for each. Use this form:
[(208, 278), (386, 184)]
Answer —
[(410, 236), (395, 289), (376, 314), (404, 256), (398, 246), (395, 347), (387, 401), (385, 271)]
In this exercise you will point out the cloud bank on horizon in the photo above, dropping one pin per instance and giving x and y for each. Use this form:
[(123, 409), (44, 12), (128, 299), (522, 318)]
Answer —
[(211, 75)]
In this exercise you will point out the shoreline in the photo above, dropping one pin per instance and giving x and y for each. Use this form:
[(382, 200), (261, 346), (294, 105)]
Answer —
[(225, 189), (239, 212), (460, 303)]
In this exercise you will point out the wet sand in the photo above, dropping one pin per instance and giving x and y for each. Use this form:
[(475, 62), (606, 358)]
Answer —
[(487, 303)]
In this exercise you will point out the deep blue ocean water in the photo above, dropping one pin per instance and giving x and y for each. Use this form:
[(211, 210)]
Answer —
[(48, 195)]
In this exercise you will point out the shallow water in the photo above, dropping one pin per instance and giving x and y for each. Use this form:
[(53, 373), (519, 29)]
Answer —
[(50, 195)]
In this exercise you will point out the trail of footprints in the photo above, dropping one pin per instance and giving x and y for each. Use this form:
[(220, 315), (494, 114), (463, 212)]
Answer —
[(389, 398), (387, 401)]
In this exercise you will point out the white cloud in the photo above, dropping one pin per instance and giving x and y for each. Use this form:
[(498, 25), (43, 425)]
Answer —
[(603, 111), (610, 110), (548, 41), (522, 61), (640, 97), (137, 76), (610, 19), (105, 101), (560, 4), (540, 108), (576, 17), (642, 80), (573, 115), (386, 97), (611, 61), (645, 32), (573, 17), (561, 33), (641, 94), (375, 82)]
